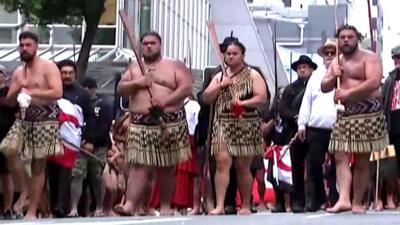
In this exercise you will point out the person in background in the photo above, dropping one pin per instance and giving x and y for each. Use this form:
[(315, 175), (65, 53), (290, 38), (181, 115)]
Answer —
[(316, 118), (7, 119)]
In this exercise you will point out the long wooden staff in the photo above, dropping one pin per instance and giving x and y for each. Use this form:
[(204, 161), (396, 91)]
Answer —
[(155, 111), (339, 106), (214, 41), (132, 40)]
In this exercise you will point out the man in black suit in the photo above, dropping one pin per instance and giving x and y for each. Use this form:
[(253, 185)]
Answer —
[(288, 108)]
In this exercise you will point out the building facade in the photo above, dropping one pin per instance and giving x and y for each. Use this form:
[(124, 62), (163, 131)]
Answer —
[(181, 23)]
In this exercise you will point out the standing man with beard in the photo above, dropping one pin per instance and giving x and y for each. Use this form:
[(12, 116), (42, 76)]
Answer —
[(156, 142), (37, 126), (361, 128)]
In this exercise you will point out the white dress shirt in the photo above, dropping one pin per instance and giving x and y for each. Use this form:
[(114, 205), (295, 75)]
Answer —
[(317, 108), (192, 109)]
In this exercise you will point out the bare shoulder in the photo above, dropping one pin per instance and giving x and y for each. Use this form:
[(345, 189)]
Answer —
[(18, 71), (133, 70), (173, 62), (255, 74), (218, 76), (47, 64), (369, 55)]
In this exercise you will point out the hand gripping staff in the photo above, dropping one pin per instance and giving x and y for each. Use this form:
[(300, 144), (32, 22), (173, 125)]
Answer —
[(237, 110)]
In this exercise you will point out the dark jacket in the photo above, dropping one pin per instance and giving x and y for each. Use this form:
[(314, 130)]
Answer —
[(204, 113), (289, 107), (392, 117), (7, 115), (76, 94), (103, 114)]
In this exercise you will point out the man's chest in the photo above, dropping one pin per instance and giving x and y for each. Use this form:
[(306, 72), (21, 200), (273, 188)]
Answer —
[(353, 70)]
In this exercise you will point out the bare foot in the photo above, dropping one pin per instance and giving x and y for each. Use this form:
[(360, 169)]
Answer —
[(270, 205), (194, 211), (216, 211), (122, 211), (73, 213), (109, 213), (262, 207), (390, 205), (379, 205), (244, 211), (98, 213), (141, 211), (358, 209), (151, 212), (22, 204), (166, 211), (209, 208), (30, 217), (339, 207)]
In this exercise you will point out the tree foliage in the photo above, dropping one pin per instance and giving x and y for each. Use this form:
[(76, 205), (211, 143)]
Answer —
[(71, 12)]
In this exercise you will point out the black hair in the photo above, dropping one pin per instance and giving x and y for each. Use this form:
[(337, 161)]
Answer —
[(238, 44), (90, 83), (360, 37), (30, 35), (66, 62), (151, 33)]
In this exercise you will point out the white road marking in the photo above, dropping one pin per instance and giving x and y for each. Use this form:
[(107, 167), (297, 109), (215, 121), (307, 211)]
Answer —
[(117, 222), (319, 216)]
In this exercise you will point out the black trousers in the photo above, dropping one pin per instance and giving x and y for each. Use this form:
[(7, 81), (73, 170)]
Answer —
[(394, 139), (59, 180), (310, 153)]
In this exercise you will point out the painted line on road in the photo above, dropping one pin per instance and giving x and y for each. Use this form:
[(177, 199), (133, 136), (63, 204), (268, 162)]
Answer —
[(319, 216), (118, 222)]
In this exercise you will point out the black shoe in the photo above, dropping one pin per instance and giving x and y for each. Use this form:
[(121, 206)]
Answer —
[(8, 214), (313, 207), (253, 209), (58, 213), (297, 209), (230, 210), (279, 208)]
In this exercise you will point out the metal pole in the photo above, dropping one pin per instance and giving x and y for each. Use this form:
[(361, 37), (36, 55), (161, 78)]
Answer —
[(275, 59), (290, 70), (371, 31)]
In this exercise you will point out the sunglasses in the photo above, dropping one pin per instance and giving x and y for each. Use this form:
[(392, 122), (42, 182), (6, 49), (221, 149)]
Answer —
[(329, 53)]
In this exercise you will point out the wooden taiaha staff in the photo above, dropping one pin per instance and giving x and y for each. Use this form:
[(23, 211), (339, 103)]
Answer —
[(339, 107)]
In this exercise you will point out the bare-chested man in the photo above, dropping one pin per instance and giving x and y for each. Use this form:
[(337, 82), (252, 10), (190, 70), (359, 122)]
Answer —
[(37, 127), (360, 129), (154, 145)]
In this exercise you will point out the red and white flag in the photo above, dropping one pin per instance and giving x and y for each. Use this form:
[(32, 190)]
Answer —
[(279, 158), (70, 131)]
